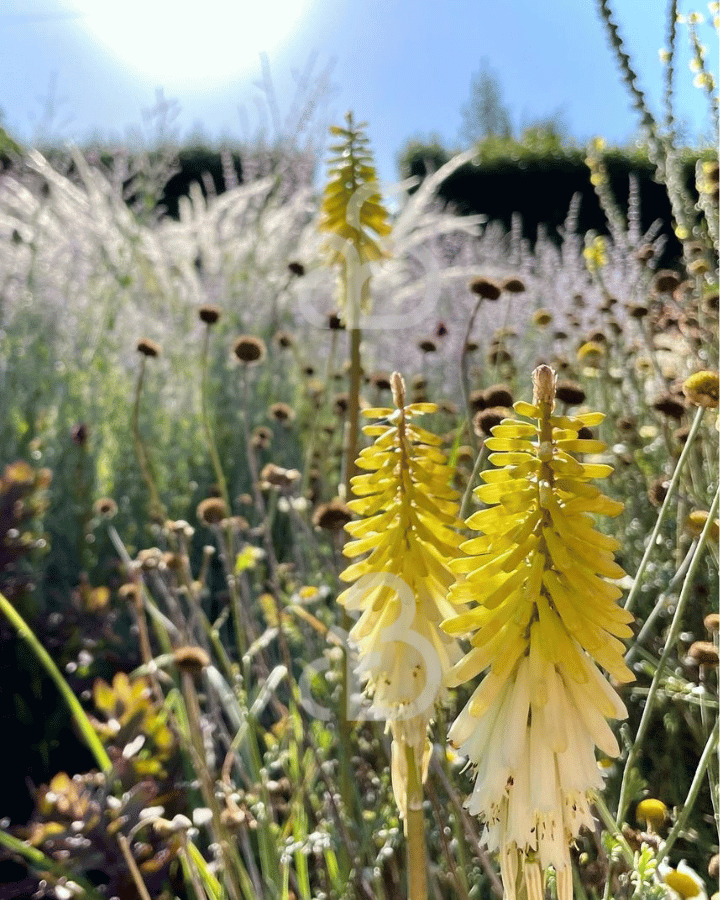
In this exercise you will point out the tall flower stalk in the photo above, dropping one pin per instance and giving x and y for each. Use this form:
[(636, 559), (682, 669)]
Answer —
[(544, 619), (409, 511), (356, 222)]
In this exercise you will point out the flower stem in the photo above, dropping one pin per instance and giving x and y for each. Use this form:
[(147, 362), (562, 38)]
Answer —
[(672, 488), (673, 632), (415, 826)]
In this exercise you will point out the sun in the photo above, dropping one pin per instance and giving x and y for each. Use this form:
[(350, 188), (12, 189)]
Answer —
[(191, 46)]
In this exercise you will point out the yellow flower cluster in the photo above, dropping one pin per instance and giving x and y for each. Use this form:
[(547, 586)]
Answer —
[(544, 617), (400, 589)]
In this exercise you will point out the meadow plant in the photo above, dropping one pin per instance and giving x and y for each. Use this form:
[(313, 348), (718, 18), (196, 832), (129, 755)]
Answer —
[(220, 766)]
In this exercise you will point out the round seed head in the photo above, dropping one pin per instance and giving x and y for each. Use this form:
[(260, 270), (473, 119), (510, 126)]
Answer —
[(670, 406), (657, 492), (105, 508), (542, 317), (513, 285), (249, 349), (704, 653), (191, 659), (712, 622), (665, 281), (212, 510), (277, 476), (485, 288), (209, 313), (485, 420), (332, 516), (148, 347), (497, 395), (281, 412), (570, 393), (381, 380), (283, 339)]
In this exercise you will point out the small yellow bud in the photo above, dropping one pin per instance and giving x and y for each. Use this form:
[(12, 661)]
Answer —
[(702, 389), (651, 813)]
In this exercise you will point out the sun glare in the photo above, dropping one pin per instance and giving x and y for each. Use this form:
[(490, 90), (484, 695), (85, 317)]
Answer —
[(189, 45)]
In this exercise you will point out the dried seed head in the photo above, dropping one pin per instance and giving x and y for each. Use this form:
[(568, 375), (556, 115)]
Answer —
[(281, 412), (513, 285), (441, 330), (148, 347), (105, 508), (483, 287), (698, 266), (638, 311), (209, 313), (712, 622), (332, 516), (645, 254), (340, 404), (657, 492), (261, 438), (665, 281), (296, 268), (497, 395), (570, 393), (149, 558), (212, 510), (485, 420), (249, 349), (427, 346), (284, 340), (477, 400), (542, 317), (670, 406), (277, 476), (381, 380), (704, 653), (499, 356), (191, 659), (702, 389), (714, 867), (471, 346), (335, 323)]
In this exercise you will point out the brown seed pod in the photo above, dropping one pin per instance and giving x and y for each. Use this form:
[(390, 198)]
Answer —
[(209, 313), (513, 285), (487, 419), (497, 395), (148, 347), (570, 393), (485, 288), (704, 653), (665, 281), (105, 508), (249, 349), (211, 511), (332, 516), (281, 412), (191, 659)]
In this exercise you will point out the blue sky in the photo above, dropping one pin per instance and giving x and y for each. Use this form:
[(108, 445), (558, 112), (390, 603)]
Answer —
[(403, 66)]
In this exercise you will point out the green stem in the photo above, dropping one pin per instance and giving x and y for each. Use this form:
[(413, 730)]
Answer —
[(78, 713), (665, 508), (156, 507), (209, 434), (698, 778), (673, 632), (42, 863), (415, 828)]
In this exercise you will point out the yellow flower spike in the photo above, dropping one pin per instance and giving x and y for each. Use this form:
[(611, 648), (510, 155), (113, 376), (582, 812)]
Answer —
[(410, 530), (542, 621)]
